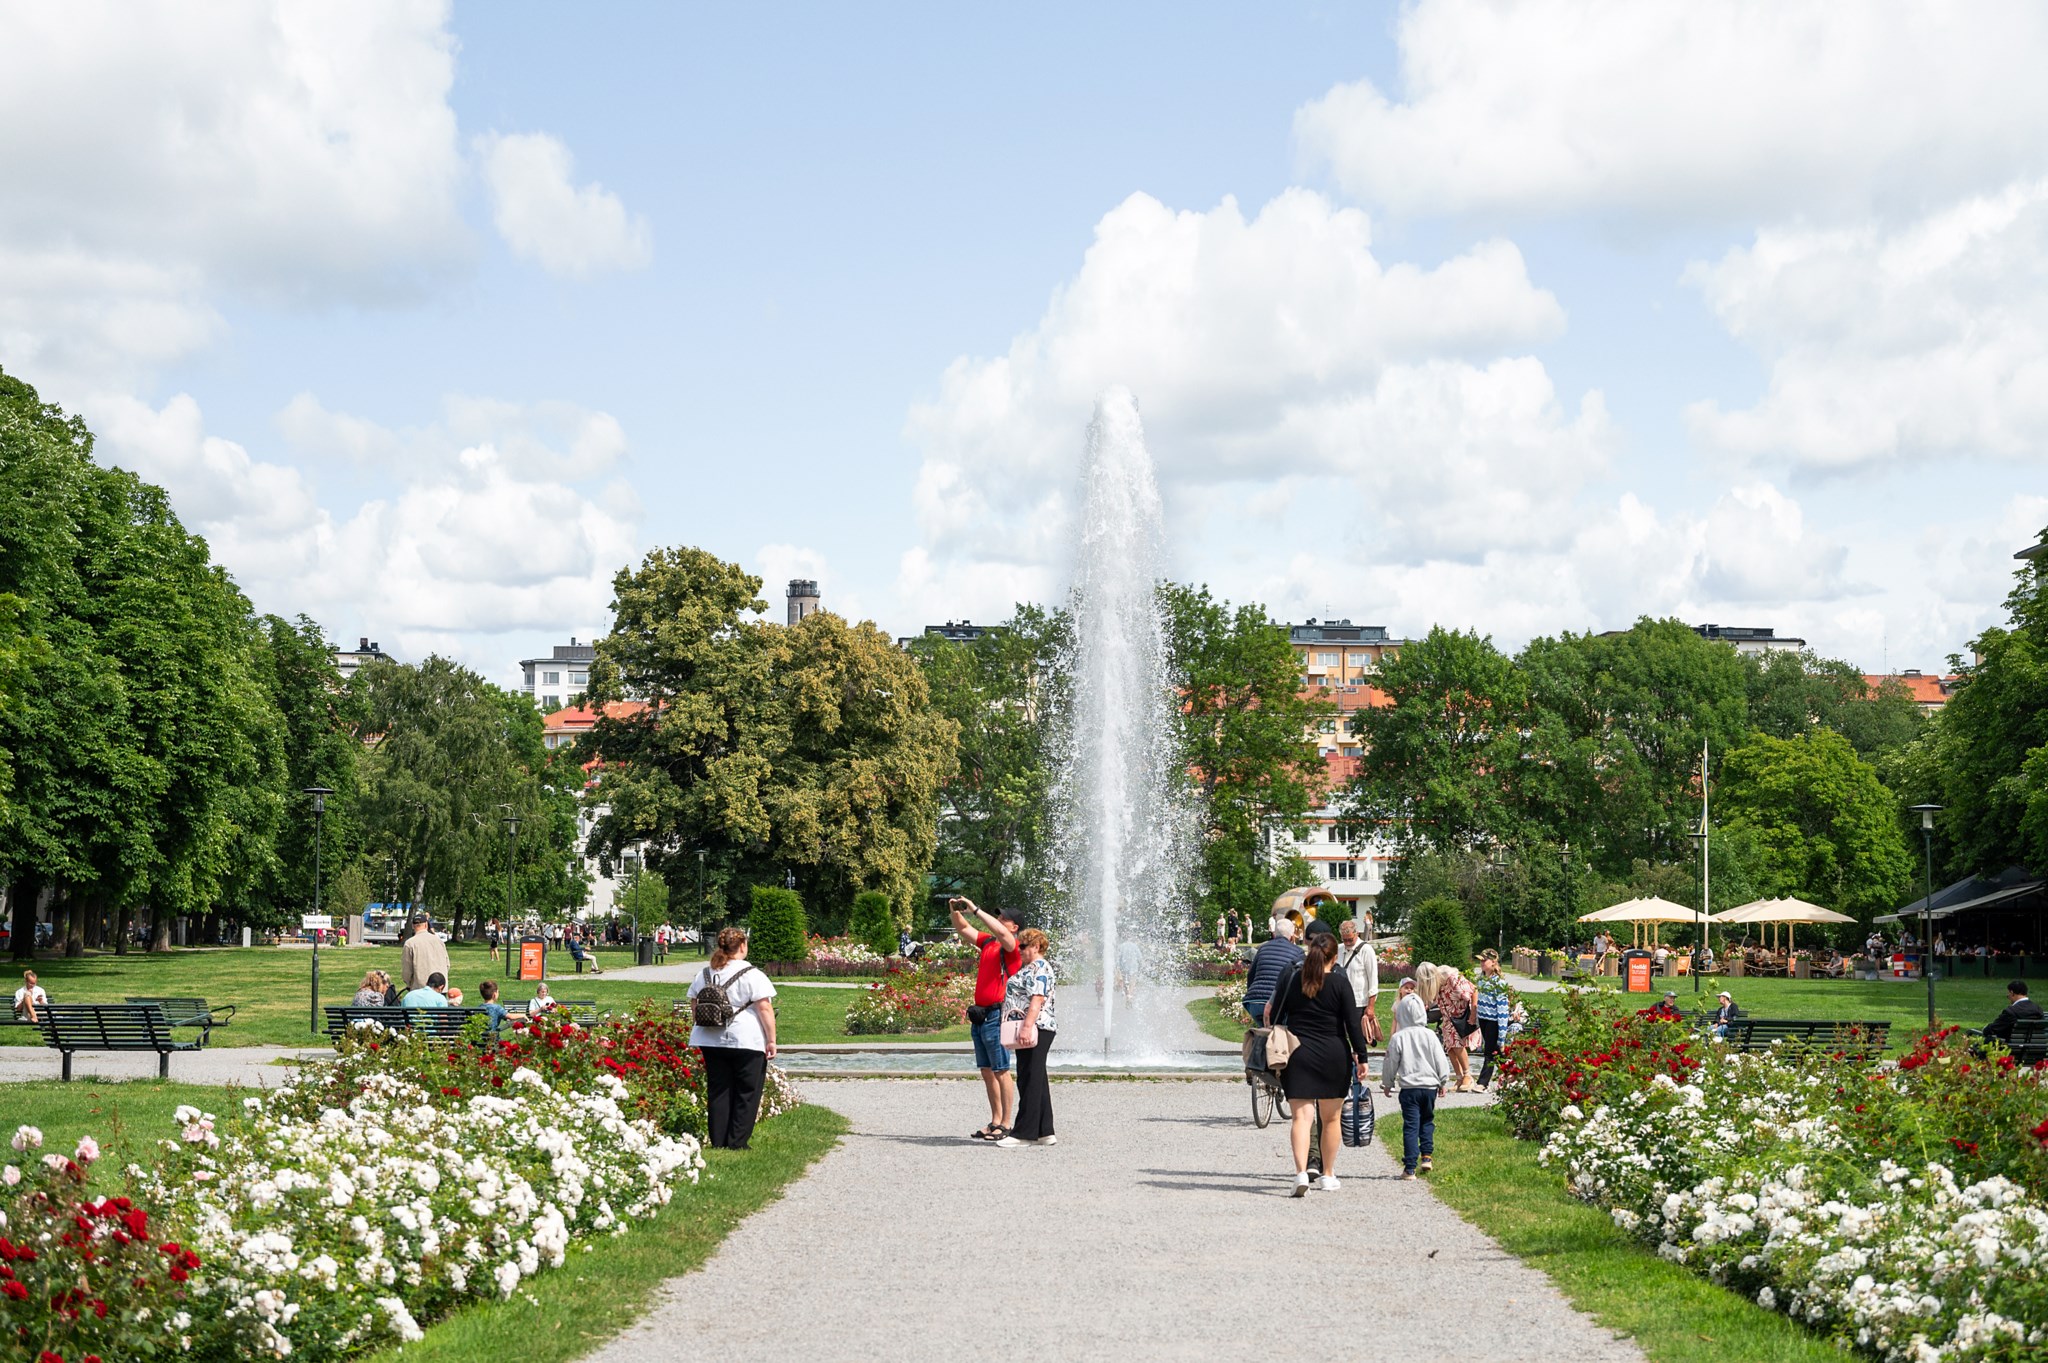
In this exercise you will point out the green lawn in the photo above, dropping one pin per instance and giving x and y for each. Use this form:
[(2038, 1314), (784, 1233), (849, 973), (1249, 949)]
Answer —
[(126, 1118), (272, 986), (1494, 1182), (595, 1295), (1210, 1018)]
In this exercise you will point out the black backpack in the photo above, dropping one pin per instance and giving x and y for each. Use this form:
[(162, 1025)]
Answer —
[(713, 1007)]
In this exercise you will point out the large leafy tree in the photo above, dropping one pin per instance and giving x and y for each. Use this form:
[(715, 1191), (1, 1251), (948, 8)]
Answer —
[(811, 753), (1247, 733), (1792, 693), (1442, 758), (1825, 827), (996, 691)]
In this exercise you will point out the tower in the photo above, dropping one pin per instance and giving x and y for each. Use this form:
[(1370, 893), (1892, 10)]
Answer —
[(803, 598)]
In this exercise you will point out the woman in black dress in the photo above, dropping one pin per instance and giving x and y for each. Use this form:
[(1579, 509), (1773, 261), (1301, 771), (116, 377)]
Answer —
[(1316, 1004)]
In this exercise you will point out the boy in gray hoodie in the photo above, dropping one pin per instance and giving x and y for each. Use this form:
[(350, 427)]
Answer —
[(1416, 1065)]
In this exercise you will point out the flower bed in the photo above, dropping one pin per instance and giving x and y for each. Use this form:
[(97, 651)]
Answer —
[(843, 952), (1230, 999), (334, 1215), (85, 1278), (909, 1001), (1900, 1209)]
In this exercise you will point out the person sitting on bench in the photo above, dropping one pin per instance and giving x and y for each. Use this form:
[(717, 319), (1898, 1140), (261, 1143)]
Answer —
[(428, 995), (30, 1000), (580, 953), (1723, 1016), (2019, 1009)]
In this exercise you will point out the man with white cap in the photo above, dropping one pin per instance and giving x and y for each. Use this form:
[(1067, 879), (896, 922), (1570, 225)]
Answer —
[(1724, 1015)]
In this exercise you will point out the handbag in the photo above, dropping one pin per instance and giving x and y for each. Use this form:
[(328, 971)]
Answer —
[(1268, 1048), (1359, 1118)]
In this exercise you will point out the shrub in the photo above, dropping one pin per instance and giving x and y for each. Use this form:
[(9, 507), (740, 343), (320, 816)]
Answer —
[(776, 927), (909, 1002), (85, 1277), (1437, 932), (873, 922)]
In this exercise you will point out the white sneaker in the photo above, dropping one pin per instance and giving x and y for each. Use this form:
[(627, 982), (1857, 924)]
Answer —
[(1047, 1140), (1011, 1143), (1301, 1185), (1328, 1184)]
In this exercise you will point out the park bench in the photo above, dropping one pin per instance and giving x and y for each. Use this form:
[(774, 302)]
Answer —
[(1861, 1040), (436, 1024), (182, 1012), (71, 1027), (2029, 1041)]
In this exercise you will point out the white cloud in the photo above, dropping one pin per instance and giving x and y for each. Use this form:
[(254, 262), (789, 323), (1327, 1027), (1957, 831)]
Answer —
[(548, 440), (1891, 345), (544, 217), (475, 542), (1260, 349), (1662, 109)]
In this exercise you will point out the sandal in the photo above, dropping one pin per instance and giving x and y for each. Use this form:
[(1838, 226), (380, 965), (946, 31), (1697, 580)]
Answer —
[(991, 1132)]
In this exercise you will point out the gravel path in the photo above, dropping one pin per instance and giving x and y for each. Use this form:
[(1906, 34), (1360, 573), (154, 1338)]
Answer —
[(252, 1066), (1152, 1231)]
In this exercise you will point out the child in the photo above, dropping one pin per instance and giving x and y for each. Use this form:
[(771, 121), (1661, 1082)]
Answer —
[(1415, 1064)]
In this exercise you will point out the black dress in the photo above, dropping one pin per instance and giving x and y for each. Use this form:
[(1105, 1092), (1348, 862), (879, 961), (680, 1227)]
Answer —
[(1327, 1028)]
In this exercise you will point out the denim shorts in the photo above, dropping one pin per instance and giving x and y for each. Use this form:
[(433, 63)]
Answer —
[(988, 1043)]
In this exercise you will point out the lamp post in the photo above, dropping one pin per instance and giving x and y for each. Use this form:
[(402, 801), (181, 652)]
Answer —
[(700, 905), (511, 859), (1497, 861), (319, 796), (1564, 853), (1927, 813)]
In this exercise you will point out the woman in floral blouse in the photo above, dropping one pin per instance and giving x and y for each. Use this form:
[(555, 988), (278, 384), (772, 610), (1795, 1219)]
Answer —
[(1460, 1004), (1029, 1002)]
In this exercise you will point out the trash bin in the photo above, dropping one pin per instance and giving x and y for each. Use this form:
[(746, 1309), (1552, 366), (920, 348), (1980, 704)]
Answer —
[(533, 957), (1639, 967), (645, 955)]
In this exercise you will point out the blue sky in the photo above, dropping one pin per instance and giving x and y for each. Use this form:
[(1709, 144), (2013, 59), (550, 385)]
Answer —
[(1516, 318)]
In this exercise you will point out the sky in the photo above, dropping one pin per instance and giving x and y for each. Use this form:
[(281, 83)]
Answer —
[(1517, 318)]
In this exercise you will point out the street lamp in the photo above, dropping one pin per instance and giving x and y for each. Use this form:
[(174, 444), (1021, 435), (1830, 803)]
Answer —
[(1564, 853), (700, 905), (319, 796), (1700, 836), (1497, 861), (1927, 813), (511, 859)]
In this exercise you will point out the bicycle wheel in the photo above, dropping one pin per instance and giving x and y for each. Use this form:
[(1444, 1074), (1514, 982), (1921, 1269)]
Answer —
[(1262, 1104)]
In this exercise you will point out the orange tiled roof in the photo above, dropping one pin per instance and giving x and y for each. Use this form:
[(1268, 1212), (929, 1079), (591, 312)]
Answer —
[(577, 718), (1925, 690)]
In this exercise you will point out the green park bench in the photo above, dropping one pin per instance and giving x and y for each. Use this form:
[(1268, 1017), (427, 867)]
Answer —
[(183, 1012), (2029, 1041), (72, 1027), (1858, 1040)]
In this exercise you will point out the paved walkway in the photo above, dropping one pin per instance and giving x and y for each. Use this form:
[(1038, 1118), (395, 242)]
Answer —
[(1157, 1229), (251, 1066)]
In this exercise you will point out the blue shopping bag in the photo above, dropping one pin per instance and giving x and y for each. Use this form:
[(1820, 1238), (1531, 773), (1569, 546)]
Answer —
[(1359, 1118)]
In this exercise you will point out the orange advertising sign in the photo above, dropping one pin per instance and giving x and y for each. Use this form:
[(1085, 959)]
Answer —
[(1639, 974), (532, 960)]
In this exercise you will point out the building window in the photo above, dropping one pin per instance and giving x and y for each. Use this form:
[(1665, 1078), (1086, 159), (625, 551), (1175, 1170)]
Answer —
[(579, 679), (551, 702), (1329, 726), (1326, 659), (1343, 870), (551, 678), (1360, 659)]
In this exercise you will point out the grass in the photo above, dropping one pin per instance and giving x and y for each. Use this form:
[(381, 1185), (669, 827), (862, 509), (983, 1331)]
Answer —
[(271, 988), (126, 1118), (1210, 1018), (1675, 1316), (595, 1295)]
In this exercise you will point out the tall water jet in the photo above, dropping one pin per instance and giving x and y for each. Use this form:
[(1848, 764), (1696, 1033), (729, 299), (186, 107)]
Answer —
[(1125, 832)]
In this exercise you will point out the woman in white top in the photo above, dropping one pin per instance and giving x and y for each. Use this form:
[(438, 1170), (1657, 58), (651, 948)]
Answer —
[(30, 1000), (736, 1055)]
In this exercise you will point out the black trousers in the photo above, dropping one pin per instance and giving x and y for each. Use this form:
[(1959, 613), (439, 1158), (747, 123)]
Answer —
[(733, 1080), (1490, 1031), (1034, 1091)]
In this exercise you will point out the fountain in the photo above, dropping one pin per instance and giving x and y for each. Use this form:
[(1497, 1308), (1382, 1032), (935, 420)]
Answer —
[(1125, 827)]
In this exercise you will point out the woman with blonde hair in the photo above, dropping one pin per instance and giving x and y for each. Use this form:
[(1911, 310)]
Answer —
[(735, 1028), (1457, 1003), (1028, 1001), (1317, 1005), (370, 993)]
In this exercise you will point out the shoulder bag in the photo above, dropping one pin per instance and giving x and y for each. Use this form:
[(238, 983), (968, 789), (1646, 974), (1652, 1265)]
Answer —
[(713, 1006), (1280, 1042)]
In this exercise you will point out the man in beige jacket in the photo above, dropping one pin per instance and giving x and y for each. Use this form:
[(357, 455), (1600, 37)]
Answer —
[(423, 954)]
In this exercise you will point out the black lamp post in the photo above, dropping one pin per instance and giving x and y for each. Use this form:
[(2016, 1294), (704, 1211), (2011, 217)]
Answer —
[(1564, 853), (701, 946), (1699, 835), (1497, 861), (511, 860), (319, 795), (1927, 813)]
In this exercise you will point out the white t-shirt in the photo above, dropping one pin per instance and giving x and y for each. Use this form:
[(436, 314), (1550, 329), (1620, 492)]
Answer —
[(744, 987), (21, 996)]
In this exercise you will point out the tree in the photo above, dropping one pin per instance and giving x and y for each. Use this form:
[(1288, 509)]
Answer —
[(811, 752), (776, 928), (1826, 829), (992, 827), (1437, 933), (1791, 693), (873, 923), (645, 901), (1247, 733), (1442, 757)]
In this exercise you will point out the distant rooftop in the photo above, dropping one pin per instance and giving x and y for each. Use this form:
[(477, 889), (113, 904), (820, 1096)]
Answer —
[(1313, 631)]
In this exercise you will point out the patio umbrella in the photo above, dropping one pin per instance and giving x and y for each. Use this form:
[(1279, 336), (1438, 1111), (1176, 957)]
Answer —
[(1787, 911), (1640, 911)]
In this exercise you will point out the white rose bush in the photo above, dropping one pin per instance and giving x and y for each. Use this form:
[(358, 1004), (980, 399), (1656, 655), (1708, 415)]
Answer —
[(1896, 1207)]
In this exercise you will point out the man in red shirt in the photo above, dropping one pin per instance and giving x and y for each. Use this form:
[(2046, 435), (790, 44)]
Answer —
[(1000, 959)]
